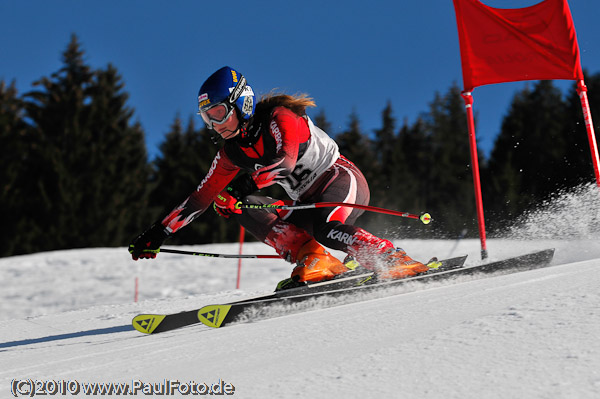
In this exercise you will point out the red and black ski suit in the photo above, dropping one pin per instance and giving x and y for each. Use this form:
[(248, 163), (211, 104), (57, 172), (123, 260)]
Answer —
[(281, 147)]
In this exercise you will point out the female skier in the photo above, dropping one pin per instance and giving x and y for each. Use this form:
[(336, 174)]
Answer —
[(275, 142)]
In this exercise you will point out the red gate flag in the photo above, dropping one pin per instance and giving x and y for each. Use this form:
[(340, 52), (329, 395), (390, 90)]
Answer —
[(507, 45)]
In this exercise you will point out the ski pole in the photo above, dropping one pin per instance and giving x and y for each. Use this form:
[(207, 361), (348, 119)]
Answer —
[(425, 218), (210, 255)]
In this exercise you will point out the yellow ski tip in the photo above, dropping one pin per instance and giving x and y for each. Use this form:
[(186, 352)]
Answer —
[(434, 264), (147, 323), (352, 264), (425, 218), (213, 315)]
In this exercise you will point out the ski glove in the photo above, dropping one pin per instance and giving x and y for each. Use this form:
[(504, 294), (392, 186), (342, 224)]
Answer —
[(147, 245), (226, 205)]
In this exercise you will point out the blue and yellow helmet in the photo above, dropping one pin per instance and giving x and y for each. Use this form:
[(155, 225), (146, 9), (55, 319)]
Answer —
[(230, 88)]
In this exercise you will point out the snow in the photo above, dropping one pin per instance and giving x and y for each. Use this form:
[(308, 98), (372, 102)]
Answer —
[(66, 315)]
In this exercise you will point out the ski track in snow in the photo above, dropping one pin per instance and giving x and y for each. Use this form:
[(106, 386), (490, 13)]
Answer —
[(66, 316)]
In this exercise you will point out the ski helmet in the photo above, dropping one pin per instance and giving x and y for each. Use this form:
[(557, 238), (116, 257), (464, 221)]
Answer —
[(229, 88)]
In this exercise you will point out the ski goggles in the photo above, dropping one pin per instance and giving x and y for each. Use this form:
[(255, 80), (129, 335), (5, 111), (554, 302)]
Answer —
[(217, 114), (220, 112)]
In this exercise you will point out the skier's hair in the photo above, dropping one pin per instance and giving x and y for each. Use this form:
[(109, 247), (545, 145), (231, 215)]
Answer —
[(297, 103)]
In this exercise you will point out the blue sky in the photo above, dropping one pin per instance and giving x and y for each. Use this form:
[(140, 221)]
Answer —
[(350, 56)]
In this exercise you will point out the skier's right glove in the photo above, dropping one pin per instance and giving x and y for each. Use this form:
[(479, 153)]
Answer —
[(228, 201), (225, 204), (147, 245)]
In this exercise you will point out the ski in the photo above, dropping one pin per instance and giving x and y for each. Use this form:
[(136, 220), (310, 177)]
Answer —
[(221, 315), (249, 309), (156, 323)]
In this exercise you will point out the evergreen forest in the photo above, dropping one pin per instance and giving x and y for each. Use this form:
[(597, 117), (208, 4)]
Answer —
[(75, 173)]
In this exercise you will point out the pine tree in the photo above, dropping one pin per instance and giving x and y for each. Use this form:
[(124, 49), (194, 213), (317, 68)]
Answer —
[(526, 164), (322, 122), (357, 147), (383, 188), (410, 167), (15, 186), (90, 164), (385, 138), (450, 186), (58, 114), (578, 167), (117, 164)]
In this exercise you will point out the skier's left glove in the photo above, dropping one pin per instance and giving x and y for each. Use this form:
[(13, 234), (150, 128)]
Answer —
[(147, 245), (226, 205)]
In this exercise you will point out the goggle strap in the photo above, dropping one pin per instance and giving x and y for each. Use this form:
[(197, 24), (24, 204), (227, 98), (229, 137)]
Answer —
[(237, 91)]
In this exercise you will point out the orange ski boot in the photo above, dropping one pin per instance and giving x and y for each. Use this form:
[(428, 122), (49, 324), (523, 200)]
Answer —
[(401, 265), (315, 263)]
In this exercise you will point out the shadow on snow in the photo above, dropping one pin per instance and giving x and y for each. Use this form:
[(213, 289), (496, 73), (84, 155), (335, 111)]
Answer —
[(98, 331)]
